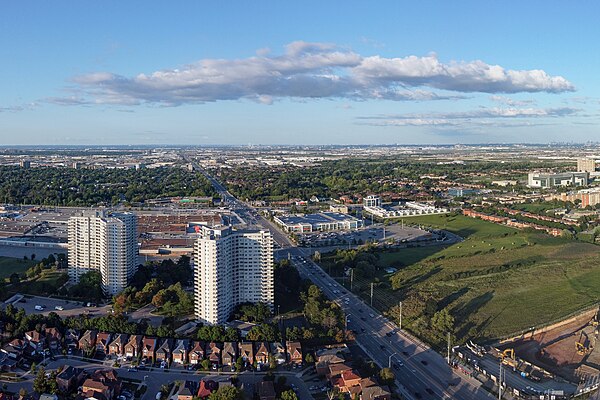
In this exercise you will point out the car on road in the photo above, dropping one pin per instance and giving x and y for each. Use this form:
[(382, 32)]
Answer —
[(371, 315), (59, 308)]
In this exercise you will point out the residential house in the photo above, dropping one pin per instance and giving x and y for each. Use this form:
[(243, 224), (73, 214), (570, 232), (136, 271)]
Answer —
[(72, 340), (69, 378), (88, 340), (336, 370), (104, 382), (180, 353), (213, 354), (294, 351), (262, 353), (247, 352), (229, 356), (187, 390), (7, 363), (133, 346), (149, 345), (347, 381), (206, 388), (117, 345), (53, 338), (197, 353), (266, 390), (324, 360), (163, 353), (102, 342), (14, 349), (376, 393), (36, 340), (278, 352)]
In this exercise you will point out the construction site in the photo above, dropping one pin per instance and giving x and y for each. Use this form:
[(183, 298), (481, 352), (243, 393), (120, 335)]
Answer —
[(567, 349)]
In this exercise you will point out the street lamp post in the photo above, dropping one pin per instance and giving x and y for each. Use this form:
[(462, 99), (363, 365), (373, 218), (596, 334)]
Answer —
[(400, 315), (390, 360)]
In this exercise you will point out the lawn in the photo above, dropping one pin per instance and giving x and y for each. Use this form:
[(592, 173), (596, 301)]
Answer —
[(496, 282), (9, 266)]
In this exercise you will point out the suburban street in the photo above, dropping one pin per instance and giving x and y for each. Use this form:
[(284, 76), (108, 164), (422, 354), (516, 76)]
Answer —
[(156, 378)]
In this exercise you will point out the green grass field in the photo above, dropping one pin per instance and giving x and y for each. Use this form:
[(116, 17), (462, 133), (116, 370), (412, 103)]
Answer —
[(496, 282), (9, 266)]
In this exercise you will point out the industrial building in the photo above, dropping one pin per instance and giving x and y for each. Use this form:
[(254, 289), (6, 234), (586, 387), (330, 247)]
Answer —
[(104, 242), (231, 267), (548, 180), (321, 222)]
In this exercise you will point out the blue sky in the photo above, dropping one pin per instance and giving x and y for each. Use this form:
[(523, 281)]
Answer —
[(278, 72)]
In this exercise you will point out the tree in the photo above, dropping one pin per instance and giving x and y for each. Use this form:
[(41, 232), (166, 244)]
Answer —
[(386, 376), (40, 383), (205, 364), (227, 393), (443, 322), (15, 278), (289, 395)]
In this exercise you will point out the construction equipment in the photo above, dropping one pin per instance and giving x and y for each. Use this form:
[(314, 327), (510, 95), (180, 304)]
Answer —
[(510, 353), (581, 349), (508, 358), (596, 318)]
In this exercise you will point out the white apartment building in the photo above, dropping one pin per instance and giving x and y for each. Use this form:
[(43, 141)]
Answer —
[(104, 242), (231, 267)]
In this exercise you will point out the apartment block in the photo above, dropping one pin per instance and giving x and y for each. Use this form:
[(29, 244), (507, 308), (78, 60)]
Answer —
[(103, 242), (231, 267)]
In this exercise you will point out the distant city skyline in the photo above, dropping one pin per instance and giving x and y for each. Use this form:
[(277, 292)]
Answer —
[(310, 73)]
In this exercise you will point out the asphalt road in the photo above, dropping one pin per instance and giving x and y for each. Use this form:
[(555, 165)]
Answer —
[(156, 378), (424, 374)]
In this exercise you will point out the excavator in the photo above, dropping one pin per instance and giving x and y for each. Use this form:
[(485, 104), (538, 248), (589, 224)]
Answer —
[(580, 344), (508, 358)]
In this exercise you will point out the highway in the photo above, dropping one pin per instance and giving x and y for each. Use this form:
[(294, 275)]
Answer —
[(421, 372)]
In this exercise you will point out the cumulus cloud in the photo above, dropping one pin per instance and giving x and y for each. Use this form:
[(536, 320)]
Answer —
[(312, 70)]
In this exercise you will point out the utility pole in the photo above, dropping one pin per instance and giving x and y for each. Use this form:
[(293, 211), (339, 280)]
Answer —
[(372, 294), (400, 315), (448, 360), (500, 382)]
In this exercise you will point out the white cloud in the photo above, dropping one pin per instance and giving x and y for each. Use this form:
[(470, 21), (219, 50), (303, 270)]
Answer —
[(311, 70)]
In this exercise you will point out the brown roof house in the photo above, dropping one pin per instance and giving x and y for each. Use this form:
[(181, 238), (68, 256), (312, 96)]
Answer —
[(104, 382), (69, 378), (102, 342), (149, 348), (117, 345), (133, 348), (278, 352), (247, 352), (262, 353), (53, 338), (87, 342), (180, 353), (294, 351), (229, 356), (163, 353), (213, 353), (197, 353), (376, 393), (36, 340)]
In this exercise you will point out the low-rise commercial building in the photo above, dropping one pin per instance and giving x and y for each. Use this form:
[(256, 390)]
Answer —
[(321, 222), (549, 180), (410, 209)]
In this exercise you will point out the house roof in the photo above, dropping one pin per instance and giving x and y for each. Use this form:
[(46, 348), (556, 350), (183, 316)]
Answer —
[(372, 392), (350, 375)]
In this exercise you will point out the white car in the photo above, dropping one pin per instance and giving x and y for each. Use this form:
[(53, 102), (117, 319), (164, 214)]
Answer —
[(59, 308)]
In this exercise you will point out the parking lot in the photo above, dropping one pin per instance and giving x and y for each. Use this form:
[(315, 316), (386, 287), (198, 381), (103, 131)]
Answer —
[(64, 308)]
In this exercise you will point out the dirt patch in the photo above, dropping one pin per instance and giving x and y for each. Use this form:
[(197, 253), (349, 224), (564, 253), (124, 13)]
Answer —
[(556, 349)]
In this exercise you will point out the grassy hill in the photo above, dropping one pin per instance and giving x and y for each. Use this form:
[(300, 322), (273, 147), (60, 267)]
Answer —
[(496, 282)]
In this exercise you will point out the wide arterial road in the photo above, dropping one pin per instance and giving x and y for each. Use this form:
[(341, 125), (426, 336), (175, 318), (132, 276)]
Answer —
[(421, 372)]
